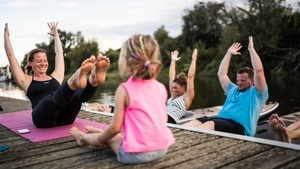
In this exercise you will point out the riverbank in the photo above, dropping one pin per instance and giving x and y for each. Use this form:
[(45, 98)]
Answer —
[(11, 105)]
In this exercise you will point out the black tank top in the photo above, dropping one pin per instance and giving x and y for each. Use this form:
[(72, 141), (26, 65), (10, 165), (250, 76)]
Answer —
[(37, 90)]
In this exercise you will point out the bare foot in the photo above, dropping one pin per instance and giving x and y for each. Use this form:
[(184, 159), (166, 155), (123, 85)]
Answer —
[(274, 124), (99, 107), (92, 129), (77, 134), (274, 116), (78, 79), (98, 73), (284, 133)]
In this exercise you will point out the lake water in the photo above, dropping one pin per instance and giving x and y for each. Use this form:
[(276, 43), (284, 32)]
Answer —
[(208, 92)]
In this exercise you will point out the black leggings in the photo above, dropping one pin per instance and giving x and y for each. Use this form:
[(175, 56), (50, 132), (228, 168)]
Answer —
[(61, 107)]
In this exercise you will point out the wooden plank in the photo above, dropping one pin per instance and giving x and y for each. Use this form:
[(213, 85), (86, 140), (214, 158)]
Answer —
[(94, 155), (293, 164), (45, 156), (224, 156), (274, 158), (197, 151)]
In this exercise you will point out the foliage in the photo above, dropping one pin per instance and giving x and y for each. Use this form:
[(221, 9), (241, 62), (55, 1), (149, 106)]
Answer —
[(82, 51), (68, 41), (204, 23), (275, 28), (113, 57), (211, 28), (167, 44)]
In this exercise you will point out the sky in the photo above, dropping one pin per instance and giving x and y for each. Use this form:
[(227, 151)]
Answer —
[(109, 22)]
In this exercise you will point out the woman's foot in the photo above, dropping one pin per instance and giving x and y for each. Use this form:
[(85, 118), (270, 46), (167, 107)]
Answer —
[(99, 72), (77, 134), (92, 129), (78, 79)]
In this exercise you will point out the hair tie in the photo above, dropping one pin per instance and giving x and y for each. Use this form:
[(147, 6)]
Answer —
[(146, 63)]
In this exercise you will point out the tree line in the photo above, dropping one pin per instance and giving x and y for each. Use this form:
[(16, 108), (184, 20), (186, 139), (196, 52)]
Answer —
[(211, 27)]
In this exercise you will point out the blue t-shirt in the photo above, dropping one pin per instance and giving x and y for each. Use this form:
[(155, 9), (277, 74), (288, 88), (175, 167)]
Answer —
[(244, 107)]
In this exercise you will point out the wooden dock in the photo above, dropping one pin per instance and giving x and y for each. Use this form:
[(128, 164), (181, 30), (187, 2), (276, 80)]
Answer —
[(193, 149)]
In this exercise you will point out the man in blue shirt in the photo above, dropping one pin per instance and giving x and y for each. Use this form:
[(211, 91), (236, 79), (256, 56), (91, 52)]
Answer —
[(245, 99)]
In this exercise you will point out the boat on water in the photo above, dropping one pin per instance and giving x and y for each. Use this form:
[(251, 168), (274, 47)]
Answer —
[(268, 109)]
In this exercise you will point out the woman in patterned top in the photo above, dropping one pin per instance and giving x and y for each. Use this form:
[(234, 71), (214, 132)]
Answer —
[(181, 88)]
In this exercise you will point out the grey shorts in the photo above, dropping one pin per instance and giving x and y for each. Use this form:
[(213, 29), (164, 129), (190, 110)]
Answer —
[(143, 157)]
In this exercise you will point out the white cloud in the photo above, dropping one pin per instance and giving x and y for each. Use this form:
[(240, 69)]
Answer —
[(109, 22), (20, 3), (69, 4)]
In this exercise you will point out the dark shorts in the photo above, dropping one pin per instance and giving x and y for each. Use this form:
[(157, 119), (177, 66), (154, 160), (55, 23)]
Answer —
[(224, 125), (171, 120)]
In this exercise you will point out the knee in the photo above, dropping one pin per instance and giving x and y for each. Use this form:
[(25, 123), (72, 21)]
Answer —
[(211, 125)]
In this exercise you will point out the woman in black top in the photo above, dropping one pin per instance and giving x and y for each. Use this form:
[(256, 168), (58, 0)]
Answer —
[(55, 103)]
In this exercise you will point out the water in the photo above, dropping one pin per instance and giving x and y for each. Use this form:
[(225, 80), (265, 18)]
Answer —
[(208, 92), (8, 89)]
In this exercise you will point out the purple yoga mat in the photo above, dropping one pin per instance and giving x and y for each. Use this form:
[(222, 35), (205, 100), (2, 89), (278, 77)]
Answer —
[(22, 120)]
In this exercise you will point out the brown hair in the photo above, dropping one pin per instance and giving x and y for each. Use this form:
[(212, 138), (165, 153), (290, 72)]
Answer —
[(181, 79), (30, 58), (139, 57), (247, 70)]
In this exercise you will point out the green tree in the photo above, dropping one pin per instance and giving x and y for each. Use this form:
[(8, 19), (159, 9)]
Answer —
[(263, 20), (167, 44), (82, 51), (68, 41), (114, 58), (286, 57), (275, 28), (205, 22)]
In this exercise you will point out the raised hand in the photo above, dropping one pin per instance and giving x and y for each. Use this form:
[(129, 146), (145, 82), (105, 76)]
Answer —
[(6, 31), (234, 48), (195, 54), (53, 28), (174, 55)]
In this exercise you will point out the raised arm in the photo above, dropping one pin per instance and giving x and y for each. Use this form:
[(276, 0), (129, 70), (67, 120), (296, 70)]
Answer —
[(59, 70), (223, 68), (20, 77), (172, 70), (190, 92), (259, 75)]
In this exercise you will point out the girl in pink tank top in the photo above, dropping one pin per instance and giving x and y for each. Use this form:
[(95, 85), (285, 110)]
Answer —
[(138, 132)]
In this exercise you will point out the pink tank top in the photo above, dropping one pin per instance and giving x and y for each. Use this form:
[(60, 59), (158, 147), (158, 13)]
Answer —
[(145, 119)]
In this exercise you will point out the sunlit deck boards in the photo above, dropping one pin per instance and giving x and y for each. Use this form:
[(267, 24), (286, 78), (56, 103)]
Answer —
[(192, 149)]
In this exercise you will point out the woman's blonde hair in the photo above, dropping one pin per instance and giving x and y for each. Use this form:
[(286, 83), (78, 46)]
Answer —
[(139, 57)]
